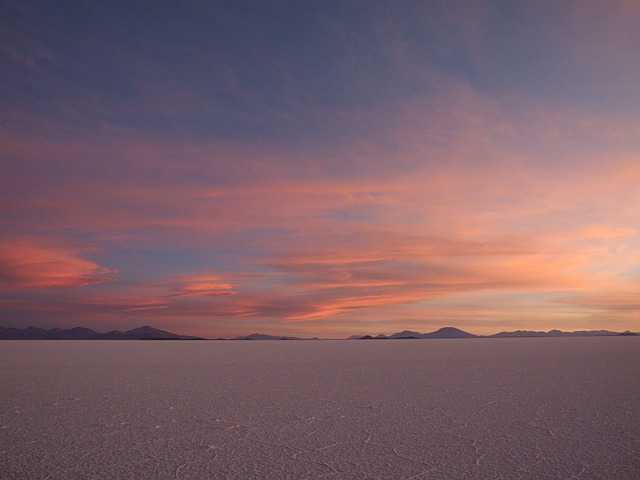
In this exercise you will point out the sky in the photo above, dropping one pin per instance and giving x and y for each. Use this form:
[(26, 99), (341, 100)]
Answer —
[(320, 168)]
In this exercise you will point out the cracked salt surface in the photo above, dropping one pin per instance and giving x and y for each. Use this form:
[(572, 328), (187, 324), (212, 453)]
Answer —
[(469, 409)]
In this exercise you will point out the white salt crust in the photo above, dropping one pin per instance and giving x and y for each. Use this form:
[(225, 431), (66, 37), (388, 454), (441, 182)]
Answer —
[(563, 408)]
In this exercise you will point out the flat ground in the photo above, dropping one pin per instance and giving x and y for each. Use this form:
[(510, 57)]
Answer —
[(434, 409)]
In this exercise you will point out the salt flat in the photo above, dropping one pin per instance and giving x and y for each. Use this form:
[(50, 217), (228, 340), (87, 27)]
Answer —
[(468, 409)]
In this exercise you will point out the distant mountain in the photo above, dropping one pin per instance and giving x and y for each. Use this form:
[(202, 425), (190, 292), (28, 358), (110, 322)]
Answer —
[(32, 333), (555, 333), (518, 333), (77, 333), (406, 334), (147, 333), (80, 333), (452, 332), (445, 332), (449, 332), (261, 336), (150, 333)]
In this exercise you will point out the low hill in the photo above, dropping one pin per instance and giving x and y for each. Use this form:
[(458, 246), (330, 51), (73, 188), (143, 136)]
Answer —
[(262, 336)]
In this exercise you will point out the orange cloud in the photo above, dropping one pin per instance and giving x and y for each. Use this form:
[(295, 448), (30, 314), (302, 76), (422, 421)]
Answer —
[(26, 263), (204, 286), (146, 307)]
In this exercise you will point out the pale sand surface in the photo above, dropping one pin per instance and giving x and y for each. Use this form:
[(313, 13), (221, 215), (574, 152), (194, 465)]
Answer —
[(564, 408)]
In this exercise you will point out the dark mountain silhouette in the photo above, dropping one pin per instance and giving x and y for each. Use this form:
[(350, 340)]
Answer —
[(555, 333), (80, 333), (445, 332), (77, 333), (449, 332), (150, 333), (452, 332), (369, 337), (406, 334), (262, 336), (518, 333)]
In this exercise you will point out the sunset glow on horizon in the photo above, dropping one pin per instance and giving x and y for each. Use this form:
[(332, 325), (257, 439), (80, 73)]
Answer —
[(321, 168)]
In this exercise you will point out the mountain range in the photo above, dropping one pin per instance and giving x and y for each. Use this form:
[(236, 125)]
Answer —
[(452, 332), (150, 333), (80, 333)]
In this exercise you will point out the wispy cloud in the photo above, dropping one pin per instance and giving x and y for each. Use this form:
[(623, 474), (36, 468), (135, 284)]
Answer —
[(146, 307), (204, 286)]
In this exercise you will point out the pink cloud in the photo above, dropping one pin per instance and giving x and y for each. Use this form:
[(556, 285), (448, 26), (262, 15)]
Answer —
[(26, 263), (203, 285), (146, 307)]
